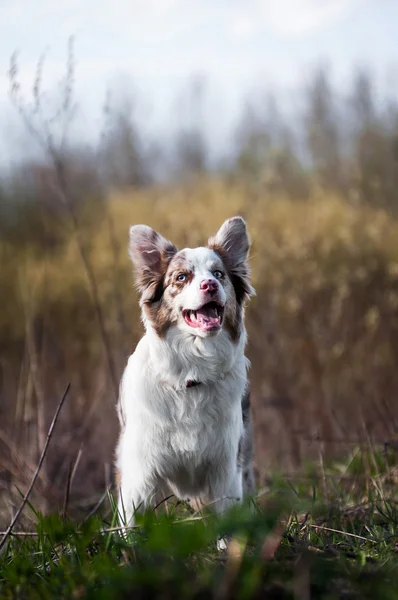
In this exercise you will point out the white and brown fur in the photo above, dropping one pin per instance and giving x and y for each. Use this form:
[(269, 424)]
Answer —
[(191, 441)]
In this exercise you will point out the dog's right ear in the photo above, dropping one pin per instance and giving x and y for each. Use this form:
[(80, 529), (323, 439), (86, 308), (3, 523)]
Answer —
[(150, 253)]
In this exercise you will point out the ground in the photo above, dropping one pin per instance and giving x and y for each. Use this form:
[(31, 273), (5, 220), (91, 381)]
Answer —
[(327, 533)]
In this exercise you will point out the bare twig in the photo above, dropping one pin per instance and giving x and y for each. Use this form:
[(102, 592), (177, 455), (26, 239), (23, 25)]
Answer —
[(121, 528), (71, 475), (124, 528), (39, 465), (202, 508), (353, 535), (42, 134), (162, 501), (77, 461), (67, 490)]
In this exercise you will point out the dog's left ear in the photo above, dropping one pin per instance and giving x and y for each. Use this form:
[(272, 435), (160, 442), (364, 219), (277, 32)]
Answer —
[(232, 243)]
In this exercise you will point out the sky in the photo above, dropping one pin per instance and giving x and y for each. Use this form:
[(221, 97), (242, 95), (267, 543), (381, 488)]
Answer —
[(151, 50)]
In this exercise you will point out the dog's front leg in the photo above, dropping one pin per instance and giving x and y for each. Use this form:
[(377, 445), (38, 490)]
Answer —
[(227, 492), (135, 495)]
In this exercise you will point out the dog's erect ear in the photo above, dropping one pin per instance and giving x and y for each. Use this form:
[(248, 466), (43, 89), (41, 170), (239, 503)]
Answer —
[(150, 253), (234, 239), (232, 243)]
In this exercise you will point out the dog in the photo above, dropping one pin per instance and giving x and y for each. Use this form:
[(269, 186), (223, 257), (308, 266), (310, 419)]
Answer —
[(184, 405)]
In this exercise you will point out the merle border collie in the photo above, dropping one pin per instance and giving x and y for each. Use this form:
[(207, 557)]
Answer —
[(184, 406)]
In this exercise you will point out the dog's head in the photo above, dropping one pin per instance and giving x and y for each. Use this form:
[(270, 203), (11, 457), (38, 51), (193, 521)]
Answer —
[(200, 290)]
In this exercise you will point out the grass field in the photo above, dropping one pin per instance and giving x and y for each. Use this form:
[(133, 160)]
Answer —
[(323, 328), (320, 203), (323, 334), (326, 534)]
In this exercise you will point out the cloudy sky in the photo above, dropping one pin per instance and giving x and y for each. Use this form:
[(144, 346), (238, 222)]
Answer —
[(155, 46)]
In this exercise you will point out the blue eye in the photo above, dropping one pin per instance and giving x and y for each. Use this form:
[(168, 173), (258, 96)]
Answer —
[(181, 277), (218, 274)]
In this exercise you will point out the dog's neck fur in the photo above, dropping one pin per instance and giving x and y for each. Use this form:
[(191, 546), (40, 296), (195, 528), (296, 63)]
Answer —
[(180, 357)]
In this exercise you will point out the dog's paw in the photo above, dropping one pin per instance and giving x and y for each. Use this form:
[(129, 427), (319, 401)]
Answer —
[(222, 543)]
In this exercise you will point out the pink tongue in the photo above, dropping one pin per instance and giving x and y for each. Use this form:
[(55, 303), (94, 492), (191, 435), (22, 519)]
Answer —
[(207, 315)]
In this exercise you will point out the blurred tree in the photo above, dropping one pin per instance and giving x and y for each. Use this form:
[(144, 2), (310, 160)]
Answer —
[(254, 144), (123, 160), (375, 174), (322, 132), (267, 152), (191, 152)]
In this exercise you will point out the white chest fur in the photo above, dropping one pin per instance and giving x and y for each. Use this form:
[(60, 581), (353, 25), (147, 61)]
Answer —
[(176, 437)]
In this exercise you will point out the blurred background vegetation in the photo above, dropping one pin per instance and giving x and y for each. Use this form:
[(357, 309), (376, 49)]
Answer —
[(320, 196)]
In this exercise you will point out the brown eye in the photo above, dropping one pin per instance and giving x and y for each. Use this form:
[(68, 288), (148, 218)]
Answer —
[(218, 274), (181, 277)]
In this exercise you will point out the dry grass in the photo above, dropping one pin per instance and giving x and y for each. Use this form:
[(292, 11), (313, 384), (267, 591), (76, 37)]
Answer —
[(323, 328)]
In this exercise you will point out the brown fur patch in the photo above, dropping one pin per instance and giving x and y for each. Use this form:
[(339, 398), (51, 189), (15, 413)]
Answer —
[(151, 256), (159, 314), (233, 321), (150, 282), (157, 309), (178, 265)]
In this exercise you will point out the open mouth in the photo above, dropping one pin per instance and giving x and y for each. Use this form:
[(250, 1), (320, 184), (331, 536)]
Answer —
[(207, 318)]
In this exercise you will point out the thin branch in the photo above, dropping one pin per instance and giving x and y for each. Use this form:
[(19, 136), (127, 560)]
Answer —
[(77, 461), (197, 512), (353, 535), (40, 463), (72, 468), (162, 501), (67, 490), (70, 477), (42, 133), (121, 528)]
